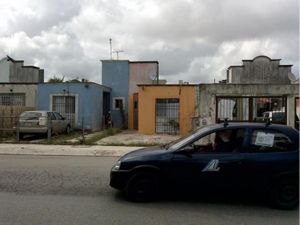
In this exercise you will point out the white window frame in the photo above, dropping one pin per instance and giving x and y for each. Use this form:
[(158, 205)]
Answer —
[(114, 102), (64, 94)]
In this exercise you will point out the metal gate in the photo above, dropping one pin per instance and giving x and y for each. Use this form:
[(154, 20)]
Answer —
[(167, 116), (297, 112), (65, 105), (261, 108)]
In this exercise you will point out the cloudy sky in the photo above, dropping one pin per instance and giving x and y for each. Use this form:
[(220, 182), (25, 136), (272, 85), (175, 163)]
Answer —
[(193, 40)]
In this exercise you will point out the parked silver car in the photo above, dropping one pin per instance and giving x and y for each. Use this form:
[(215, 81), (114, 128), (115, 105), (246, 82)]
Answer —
[(274, 116), (37, 122)]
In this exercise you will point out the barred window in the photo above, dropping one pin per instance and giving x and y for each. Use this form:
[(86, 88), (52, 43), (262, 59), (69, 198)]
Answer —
[(10, 99)]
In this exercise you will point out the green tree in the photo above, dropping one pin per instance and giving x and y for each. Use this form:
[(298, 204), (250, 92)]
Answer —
[(56, 79)]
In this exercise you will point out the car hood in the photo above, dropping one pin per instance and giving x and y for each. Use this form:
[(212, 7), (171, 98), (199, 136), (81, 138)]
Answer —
[(145, 152)]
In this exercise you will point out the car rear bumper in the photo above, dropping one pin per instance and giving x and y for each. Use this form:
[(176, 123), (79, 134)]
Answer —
[(33, 130)]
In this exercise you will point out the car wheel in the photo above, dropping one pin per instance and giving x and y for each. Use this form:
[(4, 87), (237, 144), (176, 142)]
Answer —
[(68, 129), (285, 195), (141, 187), (21, 136)]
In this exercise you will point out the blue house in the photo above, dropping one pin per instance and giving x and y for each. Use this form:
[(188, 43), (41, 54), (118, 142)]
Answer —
[(85, 104), (123, 76)]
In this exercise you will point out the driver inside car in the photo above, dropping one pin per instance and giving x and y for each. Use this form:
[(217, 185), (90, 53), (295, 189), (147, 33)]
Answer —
[(225, 141)]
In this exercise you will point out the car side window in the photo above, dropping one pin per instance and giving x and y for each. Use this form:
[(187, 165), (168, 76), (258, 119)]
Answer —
[(58, 116), (263, 140), (225, 140), (52, 116)]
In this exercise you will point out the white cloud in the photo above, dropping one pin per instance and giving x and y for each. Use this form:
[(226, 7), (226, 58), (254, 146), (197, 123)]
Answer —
[(192, 40)]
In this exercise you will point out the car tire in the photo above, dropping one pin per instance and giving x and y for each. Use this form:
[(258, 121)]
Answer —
[(141, 187), (21, 136), (285, 194), (68, 129)]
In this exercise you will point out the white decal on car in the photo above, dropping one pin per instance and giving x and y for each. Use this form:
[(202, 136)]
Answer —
[(212, 166)]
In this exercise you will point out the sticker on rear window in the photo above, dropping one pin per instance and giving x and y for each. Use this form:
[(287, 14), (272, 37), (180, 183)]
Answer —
[(264, 139)]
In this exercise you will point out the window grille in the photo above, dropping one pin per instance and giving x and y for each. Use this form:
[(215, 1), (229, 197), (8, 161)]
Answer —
[(167, 116), (12, 99), (65, 105)]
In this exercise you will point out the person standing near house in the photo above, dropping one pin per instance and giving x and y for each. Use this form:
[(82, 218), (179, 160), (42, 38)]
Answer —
[(108, 120)]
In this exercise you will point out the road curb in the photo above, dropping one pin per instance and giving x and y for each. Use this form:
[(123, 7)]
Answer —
[(65, 150)]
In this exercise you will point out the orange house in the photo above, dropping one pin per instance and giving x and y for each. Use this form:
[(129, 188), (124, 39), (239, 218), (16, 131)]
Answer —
[(166, 109)]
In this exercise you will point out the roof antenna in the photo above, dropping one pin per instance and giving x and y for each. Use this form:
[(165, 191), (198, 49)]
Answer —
[(268, 122), (110, 45), (225, 122), (117, 52)]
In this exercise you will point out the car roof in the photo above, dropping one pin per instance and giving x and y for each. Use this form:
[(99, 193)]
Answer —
[(38, 111), (250, 125)]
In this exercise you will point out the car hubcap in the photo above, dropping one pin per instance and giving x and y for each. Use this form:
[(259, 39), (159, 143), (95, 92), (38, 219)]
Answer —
[(288, 193)]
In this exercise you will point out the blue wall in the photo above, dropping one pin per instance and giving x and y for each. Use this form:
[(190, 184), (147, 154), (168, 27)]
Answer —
[(90, 97), (115, 74)]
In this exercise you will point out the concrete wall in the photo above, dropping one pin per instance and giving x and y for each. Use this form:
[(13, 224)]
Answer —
[(4, 71), (260, 70), (25, 74), (30, 91), (139, 73), (209, 92), (115, 74), (147, 101), (88, 101), (14, 71)]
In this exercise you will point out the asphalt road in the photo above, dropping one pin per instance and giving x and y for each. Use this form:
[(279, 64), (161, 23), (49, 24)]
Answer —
[(49, 190)]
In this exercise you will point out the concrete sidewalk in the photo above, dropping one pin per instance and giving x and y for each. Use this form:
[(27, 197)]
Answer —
[(65, 150)]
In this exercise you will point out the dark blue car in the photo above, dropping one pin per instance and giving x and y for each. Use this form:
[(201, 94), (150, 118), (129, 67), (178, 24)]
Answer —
[(255, 157)]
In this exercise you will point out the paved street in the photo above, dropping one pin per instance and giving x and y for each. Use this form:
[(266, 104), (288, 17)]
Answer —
[(74, 190)]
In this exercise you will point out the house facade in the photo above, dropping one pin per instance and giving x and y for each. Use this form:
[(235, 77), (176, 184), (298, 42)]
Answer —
[(123, 76), (259, 87), (166, 109), (85, 104), (246, 102)]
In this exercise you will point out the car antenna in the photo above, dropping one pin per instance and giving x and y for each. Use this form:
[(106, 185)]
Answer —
[(225, 122)]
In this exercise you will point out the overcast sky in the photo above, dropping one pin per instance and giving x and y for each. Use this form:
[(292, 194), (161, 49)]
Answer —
[(193, 40)]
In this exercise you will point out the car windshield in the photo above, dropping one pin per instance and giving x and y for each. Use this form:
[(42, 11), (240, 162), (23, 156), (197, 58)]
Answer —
[(30, 115), (185, 139)]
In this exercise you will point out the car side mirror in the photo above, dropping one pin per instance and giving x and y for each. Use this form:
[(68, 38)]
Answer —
[(187, 150)]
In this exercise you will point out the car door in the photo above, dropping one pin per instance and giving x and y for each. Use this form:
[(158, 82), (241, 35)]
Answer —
[(60, 122), (270, 152), (54, 123), (201, 164)]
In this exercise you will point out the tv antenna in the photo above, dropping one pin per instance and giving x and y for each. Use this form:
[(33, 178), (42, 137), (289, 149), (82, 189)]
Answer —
[(117, 52)]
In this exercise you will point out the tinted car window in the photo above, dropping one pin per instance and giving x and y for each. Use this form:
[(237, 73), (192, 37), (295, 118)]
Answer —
[(263, 140), (58, 116), (52, 116), (30, 115)]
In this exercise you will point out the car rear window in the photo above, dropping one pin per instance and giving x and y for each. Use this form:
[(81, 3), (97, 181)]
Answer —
[(264, 140), (30, 115)]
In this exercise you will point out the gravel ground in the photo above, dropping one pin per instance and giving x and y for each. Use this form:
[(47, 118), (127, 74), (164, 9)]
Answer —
[(132, 137)]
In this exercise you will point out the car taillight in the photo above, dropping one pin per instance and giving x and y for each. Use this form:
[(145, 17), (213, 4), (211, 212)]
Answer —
[(42, 121)]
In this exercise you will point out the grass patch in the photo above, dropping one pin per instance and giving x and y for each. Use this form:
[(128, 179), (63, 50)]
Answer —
[(61, 139), (76, 138), (93, 139), (134, 144)]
